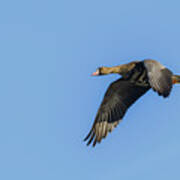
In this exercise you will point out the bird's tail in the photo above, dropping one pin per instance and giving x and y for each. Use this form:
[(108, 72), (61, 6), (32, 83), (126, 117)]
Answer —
[(176, 79)]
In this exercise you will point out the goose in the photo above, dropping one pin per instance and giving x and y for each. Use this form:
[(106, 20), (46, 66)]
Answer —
[(137, 77)]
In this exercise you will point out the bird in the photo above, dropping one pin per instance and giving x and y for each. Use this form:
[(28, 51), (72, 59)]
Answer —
[(137, 77)]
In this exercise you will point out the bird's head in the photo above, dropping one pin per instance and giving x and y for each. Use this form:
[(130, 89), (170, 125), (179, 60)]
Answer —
[(101, 71)]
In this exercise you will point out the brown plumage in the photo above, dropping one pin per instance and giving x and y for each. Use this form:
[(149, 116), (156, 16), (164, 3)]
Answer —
[(137, 78)]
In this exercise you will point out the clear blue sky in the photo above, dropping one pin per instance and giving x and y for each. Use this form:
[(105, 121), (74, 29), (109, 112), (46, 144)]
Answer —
[(48, 100)]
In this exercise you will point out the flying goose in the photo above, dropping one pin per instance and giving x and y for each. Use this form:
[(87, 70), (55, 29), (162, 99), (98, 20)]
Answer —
[(137, 78)]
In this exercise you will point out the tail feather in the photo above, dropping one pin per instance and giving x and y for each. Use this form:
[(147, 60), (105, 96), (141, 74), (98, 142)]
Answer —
[(176, 79)]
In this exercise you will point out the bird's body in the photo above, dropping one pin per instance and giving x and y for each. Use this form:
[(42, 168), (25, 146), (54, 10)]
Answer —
[(137, 78)]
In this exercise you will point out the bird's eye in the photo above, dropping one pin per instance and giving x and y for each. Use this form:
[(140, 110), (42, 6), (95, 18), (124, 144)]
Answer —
[(99, 70)]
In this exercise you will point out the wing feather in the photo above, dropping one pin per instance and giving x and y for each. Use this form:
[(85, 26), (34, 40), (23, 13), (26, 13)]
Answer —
[(120, 95), (159, 77)]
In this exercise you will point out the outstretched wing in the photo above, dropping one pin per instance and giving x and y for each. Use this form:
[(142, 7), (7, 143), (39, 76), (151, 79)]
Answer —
[(159, 77), (118, 98)]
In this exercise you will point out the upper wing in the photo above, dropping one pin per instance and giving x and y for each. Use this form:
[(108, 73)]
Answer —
[(119, 97), (160, 78)]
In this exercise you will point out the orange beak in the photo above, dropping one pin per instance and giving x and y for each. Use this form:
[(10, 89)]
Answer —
[(95, 73)]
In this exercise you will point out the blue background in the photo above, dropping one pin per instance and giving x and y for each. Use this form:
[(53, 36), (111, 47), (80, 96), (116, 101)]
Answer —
[(48, 100)]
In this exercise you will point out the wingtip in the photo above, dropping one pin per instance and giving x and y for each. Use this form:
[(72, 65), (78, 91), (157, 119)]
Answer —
[(89, 137), (86, 138)]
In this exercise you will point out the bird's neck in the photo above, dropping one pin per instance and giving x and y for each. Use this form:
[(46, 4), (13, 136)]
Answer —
[(110, 70), (121, 69)]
